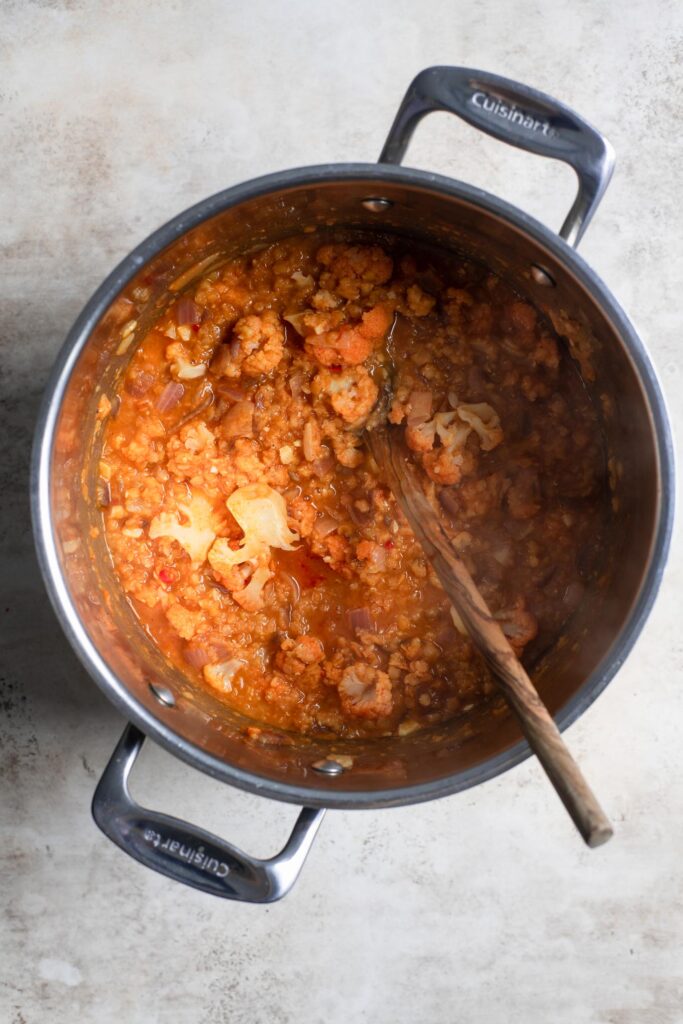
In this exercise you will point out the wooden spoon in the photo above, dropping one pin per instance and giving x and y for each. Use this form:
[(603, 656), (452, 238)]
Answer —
[(537, 724)]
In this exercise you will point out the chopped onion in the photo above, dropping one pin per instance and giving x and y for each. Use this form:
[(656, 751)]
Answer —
[(360, 619), (187, 312), (140, 384), (103, 492), (238, 421), (311, 440), (453, 400), (296, 320), (197, 655), (170, 396), (420, 405), (322, 466), (230, 391), (448, 499), (296, 384), (324, 526), (206, 401)]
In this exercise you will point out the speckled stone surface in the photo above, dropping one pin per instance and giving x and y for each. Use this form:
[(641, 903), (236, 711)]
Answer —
[(483, 908)]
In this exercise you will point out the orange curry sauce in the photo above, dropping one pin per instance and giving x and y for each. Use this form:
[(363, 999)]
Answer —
[(245, 517)]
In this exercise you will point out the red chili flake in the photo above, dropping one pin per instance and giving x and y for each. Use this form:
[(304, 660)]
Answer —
[(167, 575), (235, 544), (195, 327), (336, 369), (389, 544)]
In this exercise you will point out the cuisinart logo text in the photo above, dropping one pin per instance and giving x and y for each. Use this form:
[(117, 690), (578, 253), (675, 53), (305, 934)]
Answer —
[(494, 106)]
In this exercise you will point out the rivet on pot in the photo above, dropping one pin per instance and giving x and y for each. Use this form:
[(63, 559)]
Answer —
[(327, 767), (376, 204), (162, 694), (541, 276)]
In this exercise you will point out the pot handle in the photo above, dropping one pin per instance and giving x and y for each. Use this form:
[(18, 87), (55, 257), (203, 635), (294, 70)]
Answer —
[(188, 854), (513, 113)]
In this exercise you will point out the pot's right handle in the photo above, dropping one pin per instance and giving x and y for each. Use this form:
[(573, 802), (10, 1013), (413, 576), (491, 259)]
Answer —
[(187, 853), (516, 114)]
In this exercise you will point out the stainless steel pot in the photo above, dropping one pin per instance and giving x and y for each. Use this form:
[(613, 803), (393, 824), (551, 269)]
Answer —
[(384, 197)]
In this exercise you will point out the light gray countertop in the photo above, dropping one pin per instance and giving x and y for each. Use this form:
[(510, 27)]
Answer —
[(483, 908)]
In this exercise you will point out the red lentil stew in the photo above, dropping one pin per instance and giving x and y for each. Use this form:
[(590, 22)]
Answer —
[(245, 517)]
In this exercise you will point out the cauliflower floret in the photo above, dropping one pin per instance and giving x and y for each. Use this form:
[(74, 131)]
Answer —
[(300, 659), (185, 622), (251, 597), (257, 346), (365, 691), (182, 367), (351, 344), (352, 393), (420, 303), (519, 626), (262, 514), (355, 269), (197, 536), (221, 676), (484, 420)]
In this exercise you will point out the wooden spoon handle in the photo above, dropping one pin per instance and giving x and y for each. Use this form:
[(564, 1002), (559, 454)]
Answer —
[(537, 724)]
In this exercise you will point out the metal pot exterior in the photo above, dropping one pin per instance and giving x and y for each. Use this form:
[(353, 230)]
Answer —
[(362, 198)]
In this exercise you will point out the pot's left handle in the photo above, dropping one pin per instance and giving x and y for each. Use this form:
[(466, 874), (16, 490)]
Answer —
[(189, 854)]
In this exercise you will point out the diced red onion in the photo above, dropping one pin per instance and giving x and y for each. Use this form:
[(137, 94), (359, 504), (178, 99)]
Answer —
[(420, 403), (325, 526), (238, 421), (205, 402), (360, 619), (197, 655), (448, 499), (170, 396), (296, 384), (139, 384), (187, 312), (378, 558), (311, 441), (103, 491), (322, 466)]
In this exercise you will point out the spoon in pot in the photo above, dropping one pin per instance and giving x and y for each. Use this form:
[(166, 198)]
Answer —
[(536, 721)]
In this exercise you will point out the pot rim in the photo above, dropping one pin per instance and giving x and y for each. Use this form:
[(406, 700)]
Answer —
[(43, 446)]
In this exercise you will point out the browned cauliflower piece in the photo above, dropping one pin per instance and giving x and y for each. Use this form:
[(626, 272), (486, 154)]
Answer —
[(256, 347), (365, 691), (354, 270), (300, 658), (352, 392)]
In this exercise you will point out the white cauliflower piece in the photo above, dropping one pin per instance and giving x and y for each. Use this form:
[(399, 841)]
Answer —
[(181, 366), (483, 419), (365, 691), (221, 675), (196, 536), (251, 597), (262, 514)]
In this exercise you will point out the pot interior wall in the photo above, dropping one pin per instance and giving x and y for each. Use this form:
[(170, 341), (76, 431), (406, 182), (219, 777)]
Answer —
[(437, 218)]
